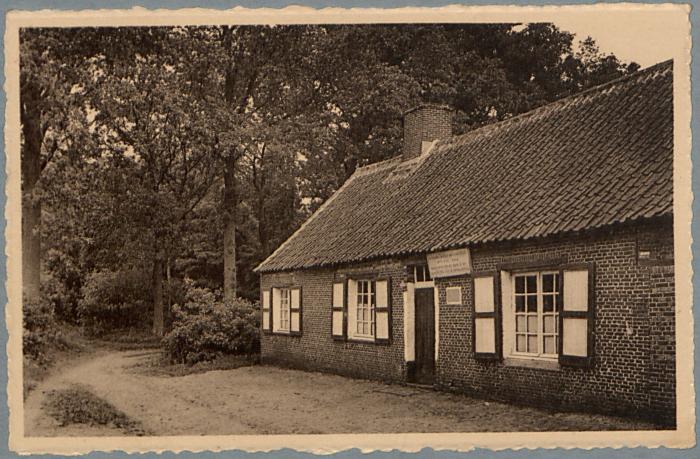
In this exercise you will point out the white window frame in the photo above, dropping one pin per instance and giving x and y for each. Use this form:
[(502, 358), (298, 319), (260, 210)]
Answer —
[(365, 315), (285, 310), (540, 315)]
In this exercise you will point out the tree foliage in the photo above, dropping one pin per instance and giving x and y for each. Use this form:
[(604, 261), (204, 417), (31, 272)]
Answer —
[(193, 152)]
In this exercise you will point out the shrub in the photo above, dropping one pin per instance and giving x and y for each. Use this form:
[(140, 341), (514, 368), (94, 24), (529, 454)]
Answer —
[(40, 332), (63, 285), (114, 300), (78, 405), (205, 327)]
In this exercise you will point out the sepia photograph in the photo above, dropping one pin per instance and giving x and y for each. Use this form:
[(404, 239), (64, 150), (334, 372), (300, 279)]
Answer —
[(368, 227)]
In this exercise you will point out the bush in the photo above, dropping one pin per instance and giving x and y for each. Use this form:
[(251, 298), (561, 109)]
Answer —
[(77, 405), (205, 327), (115, 300), (40, 332), (63, 285)]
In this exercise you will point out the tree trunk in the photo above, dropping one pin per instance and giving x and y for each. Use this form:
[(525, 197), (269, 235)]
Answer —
[(262, 228), (230, 230), (169, 294), (31, 206), (158, 325)]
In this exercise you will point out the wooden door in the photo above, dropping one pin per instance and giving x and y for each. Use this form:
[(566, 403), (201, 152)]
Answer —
[(425, 336)]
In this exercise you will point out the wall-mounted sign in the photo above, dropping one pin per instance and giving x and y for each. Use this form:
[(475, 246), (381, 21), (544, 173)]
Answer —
[(449, 263)]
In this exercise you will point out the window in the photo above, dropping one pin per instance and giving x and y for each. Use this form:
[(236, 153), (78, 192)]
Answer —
[(368, 310), (365, 317), (536, 309), (539, 317), (421, 273), (284, 309)]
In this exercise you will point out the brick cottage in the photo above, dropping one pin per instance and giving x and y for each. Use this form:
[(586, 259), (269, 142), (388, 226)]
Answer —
[(530, 260)]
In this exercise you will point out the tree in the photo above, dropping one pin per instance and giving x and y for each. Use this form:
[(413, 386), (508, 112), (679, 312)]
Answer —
[(48, 105), (196, 151), (256, 78), (55, 84), (156, 133)]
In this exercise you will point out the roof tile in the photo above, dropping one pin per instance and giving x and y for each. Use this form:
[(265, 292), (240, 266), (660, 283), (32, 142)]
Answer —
[(601, 157)]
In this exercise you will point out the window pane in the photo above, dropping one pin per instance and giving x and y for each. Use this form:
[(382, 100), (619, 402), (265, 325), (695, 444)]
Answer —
[(550, 345), (531, 284), (520, 346), (548, 303), (427, 273), (548, 282), (532, 324), (532, 303), (549, 324), (520, 284), (520, 304), (520, 324), (532, 343)]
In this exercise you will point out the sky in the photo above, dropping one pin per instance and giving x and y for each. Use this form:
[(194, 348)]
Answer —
[(634, 39)]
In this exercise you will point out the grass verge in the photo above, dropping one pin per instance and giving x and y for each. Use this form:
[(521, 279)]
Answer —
[(77, 405), (158, 365), (129, 339), (69, 346)]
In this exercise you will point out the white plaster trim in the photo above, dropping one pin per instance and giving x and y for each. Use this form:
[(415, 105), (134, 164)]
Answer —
[(409, 318), (539, 363), (430, 147), (410, 328), (437, 324), (458, 289), (424, 284)]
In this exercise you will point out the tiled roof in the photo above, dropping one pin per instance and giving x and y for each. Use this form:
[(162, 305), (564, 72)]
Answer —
[(600, 157)]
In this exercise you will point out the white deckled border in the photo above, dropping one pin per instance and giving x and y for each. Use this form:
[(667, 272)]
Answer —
[(676, 15)]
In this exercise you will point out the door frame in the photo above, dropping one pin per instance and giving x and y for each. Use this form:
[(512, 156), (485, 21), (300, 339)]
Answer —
[(410, 323)]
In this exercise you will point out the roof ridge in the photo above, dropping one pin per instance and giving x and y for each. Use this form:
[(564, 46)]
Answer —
[(373, 167), (537, 110), (597, 158)]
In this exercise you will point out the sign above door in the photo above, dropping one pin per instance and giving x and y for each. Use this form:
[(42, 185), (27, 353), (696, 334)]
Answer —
[(450, 263)]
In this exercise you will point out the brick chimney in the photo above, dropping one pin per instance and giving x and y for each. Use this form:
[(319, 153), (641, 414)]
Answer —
[(424, 124)]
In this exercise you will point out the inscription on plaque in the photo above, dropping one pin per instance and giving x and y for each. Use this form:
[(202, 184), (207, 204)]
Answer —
[(449, 263)]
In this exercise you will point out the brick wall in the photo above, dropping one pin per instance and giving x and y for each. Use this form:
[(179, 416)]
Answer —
[(315, 349), (634, 361), (426, 122)]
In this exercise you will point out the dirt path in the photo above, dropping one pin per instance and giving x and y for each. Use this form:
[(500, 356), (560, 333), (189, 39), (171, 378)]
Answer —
[(269, 400)]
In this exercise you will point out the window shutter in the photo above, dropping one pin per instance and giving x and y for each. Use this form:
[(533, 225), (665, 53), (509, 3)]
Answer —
[(577, 315), (295, 312), (266, 309), (275, 309), (486, 325), (351, 322), (382, 310), (338, 311)]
